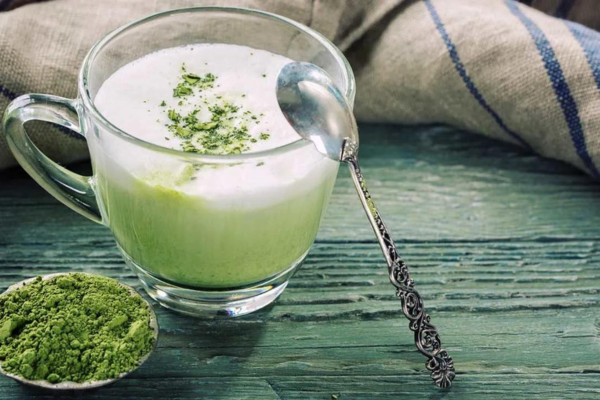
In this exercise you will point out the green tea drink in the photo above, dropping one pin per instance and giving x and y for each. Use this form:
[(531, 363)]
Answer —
[(207, 222)]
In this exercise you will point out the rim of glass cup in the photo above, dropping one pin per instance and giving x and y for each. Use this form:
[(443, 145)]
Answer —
[(91, 107)]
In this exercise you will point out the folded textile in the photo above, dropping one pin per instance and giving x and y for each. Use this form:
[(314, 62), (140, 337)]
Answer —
[(494, 67)]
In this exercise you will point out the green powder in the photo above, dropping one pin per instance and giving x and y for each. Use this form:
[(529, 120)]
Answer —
[(73, 327), (225, 132)]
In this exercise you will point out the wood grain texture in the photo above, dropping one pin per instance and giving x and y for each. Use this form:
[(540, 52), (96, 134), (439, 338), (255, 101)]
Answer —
[(502, 245)]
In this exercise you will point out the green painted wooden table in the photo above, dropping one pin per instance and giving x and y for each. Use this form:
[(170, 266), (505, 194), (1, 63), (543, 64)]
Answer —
[(502, 244)]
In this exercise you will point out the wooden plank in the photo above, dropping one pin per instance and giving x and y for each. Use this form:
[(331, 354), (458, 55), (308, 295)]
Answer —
[(492, 386), (430, 184), (452, 276), (502, 244)]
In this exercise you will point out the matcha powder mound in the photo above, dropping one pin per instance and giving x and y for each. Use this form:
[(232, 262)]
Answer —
[(73, 327)]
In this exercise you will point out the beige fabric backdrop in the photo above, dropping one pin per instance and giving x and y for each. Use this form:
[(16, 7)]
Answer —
[(42, 45), (403, 68)]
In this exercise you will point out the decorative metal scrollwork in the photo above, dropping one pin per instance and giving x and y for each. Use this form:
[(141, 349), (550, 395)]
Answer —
[(427, 338)]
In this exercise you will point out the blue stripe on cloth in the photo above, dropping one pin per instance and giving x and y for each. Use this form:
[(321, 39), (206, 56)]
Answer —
[(560, 86), (460, 68), (589, 41), (10, 95)]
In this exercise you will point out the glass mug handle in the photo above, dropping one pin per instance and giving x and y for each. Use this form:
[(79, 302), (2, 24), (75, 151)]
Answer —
[(72, 189)]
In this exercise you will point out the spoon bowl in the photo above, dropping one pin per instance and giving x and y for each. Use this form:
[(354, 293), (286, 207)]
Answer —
[(314, 106)]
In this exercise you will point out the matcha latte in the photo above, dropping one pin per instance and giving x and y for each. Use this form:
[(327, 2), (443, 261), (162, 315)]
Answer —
[(233, 214)]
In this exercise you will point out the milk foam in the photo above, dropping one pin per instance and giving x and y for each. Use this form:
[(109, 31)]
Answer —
[(247, 77), (131, 100)]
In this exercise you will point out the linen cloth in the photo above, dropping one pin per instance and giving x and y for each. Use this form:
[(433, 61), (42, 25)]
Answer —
[(493, 67)]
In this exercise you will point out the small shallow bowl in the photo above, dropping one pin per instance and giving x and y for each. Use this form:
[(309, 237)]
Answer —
[(85, 385)]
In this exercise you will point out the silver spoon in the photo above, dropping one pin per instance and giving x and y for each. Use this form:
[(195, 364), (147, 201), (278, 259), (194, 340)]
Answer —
[(90, 384), (317, 110)]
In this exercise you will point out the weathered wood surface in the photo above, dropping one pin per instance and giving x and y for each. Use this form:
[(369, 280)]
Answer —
[(502, 244)]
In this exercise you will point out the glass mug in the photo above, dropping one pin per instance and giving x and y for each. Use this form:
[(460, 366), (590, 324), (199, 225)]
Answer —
[(231, 254)]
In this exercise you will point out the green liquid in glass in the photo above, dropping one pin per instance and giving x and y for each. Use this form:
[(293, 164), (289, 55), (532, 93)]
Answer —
[(181, 238)]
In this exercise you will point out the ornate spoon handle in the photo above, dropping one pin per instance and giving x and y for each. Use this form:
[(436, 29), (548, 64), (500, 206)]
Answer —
[(427, 338)]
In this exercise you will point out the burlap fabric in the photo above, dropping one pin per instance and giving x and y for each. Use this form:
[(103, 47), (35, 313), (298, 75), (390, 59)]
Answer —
[(493, 67)]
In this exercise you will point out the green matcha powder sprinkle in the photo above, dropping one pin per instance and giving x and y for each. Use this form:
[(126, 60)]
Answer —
[(226, 132), (73, 327)]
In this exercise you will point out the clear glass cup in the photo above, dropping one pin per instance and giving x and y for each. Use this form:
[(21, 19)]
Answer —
[(231, 254)]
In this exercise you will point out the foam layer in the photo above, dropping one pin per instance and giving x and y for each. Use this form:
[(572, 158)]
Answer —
[(132, 99)]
